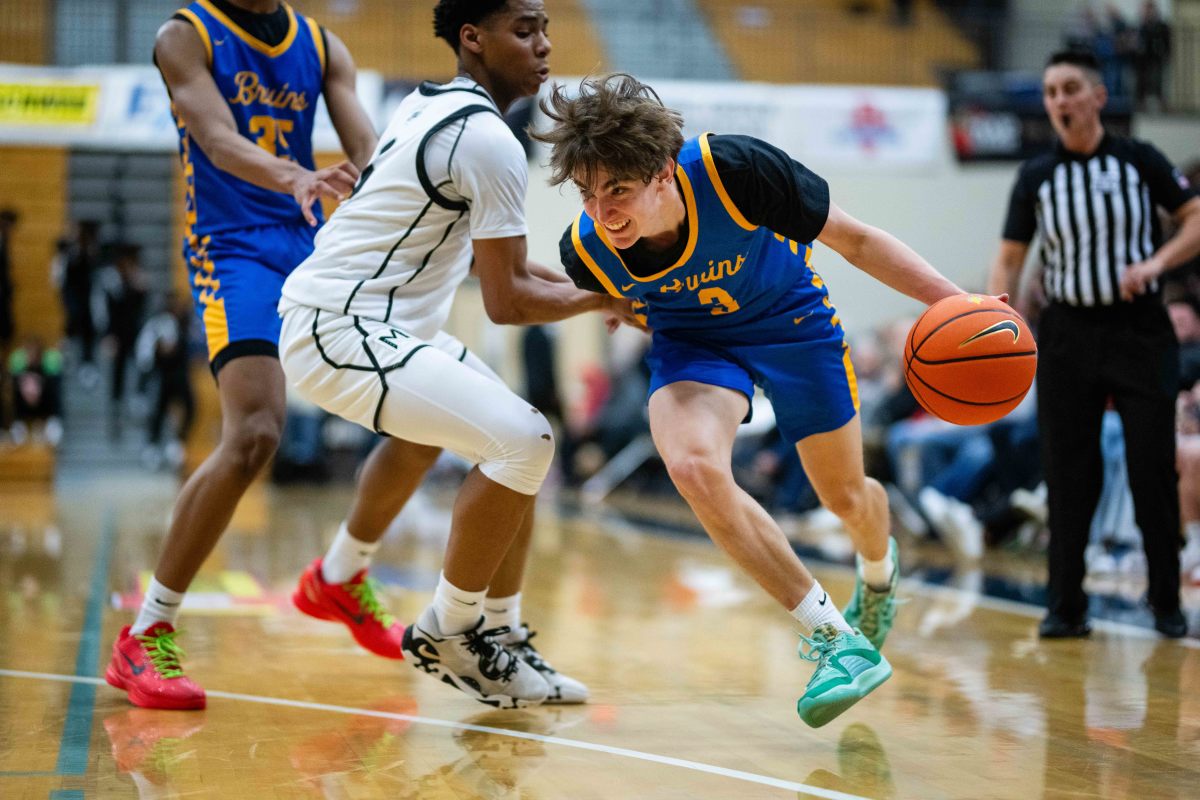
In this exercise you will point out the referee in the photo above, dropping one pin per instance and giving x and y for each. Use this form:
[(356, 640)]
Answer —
[(1104, 334)]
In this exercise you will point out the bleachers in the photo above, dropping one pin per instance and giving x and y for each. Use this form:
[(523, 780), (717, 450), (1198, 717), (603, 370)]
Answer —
[(396, 38), (25, 31), (29, 463), (33, 181), (824, 41)]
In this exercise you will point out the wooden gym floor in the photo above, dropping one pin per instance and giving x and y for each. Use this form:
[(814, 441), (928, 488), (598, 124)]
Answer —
[(692, 670)]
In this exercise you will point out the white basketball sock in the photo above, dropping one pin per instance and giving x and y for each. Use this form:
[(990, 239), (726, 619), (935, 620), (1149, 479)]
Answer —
[(159, 605), (456, 610), (817, 608), (502, 612), (346, 556), (877, 574)]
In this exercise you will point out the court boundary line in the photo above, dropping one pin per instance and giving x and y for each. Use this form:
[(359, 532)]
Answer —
[(75, 743), (671, 761)]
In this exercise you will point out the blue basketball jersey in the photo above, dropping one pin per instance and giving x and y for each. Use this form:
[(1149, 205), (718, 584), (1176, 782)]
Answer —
[(272, 93), (733, 276)]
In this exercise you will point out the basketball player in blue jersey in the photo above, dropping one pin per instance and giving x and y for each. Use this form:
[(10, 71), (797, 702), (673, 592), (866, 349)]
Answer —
[(244, 78), (713, 236)]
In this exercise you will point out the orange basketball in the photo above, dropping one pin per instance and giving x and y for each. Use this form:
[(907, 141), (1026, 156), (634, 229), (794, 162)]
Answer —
[(969, 359)]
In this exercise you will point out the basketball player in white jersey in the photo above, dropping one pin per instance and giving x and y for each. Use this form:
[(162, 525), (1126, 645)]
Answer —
[(362, 338)]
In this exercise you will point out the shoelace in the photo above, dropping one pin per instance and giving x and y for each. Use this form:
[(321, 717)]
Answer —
[(163, 653), (872, 616), (819, 649), (494, 661), (364, 593), (529, 654)]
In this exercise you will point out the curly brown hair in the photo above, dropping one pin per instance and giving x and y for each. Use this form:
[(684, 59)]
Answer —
[(617, 123)]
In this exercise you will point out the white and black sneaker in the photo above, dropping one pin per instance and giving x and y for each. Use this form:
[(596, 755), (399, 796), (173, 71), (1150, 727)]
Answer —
[(473, 662), (563, 690)]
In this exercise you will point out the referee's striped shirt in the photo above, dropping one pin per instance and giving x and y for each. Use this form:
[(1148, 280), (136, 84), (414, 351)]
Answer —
[(1095, 215)]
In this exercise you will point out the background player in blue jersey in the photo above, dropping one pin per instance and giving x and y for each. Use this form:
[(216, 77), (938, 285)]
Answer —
[(244, 78), (713, 236)]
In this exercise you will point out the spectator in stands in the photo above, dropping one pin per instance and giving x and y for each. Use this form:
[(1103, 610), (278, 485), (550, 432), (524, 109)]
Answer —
[(122, 305), (621, 416), (75, 265), (538, 346), (1184, 311), (1081, 30), (162, 351), (1153, 53), (8, 220), (1124, 50), (1188, 463), (36, 373), (1185, 318)]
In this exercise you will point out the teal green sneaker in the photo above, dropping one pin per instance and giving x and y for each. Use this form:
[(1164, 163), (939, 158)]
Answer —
[(848, 669), (874, 612)]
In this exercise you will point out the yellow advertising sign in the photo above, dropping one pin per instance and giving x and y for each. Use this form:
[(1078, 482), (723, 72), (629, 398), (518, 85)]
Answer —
[(48, 103)]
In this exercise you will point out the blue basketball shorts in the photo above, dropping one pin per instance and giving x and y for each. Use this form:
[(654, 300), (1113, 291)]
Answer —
[(809, 381), (236, 279)]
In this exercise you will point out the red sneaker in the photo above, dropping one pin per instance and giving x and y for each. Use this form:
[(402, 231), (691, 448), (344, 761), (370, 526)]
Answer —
[(354, 604), (147, 666)]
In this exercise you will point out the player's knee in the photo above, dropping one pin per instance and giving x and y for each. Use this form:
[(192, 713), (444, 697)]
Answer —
[(699, 477), (847, 501), (520, 455), (252, 442)]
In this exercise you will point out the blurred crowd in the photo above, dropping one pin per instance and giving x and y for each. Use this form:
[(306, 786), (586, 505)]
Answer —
[(112, 320), (1133, 54)]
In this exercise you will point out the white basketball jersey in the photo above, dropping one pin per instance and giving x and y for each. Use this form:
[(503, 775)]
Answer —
[(447, 170)]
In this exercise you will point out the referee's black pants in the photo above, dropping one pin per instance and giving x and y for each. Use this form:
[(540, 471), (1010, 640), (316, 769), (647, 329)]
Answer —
[(1128, 353)]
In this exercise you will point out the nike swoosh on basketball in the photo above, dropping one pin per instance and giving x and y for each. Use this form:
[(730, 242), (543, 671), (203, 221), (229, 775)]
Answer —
[(1006, 325), (824, 597), (137, 669), (627, 288), (798, 320)]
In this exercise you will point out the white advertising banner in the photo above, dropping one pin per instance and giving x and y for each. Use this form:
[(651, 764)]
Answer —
[(124, 107), (845, 126)]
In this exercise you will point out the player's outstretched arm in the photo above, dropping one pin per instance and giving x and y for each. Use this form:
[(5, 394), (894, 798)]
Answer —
[(350, 119), (513, 294), (181, 58), (884, 257)]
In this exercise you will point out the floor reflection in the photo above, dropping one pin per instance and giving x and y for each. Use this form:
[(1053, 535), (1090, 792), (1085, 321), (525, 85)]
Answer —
[(862, 766), (151, 746)]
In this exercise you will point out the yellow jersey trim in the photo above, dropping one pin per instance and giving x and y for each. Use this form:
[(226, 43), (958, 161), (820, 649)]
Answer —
[(689, 200), (710, 167), (851, 378), (201, 30), (257, 44), (318, 41), (590, 262)]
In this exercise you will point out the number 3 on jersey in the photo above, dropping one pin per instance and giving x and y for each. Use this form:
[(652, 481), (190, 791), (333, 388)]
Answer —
[(719, 299), (271, 134)]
